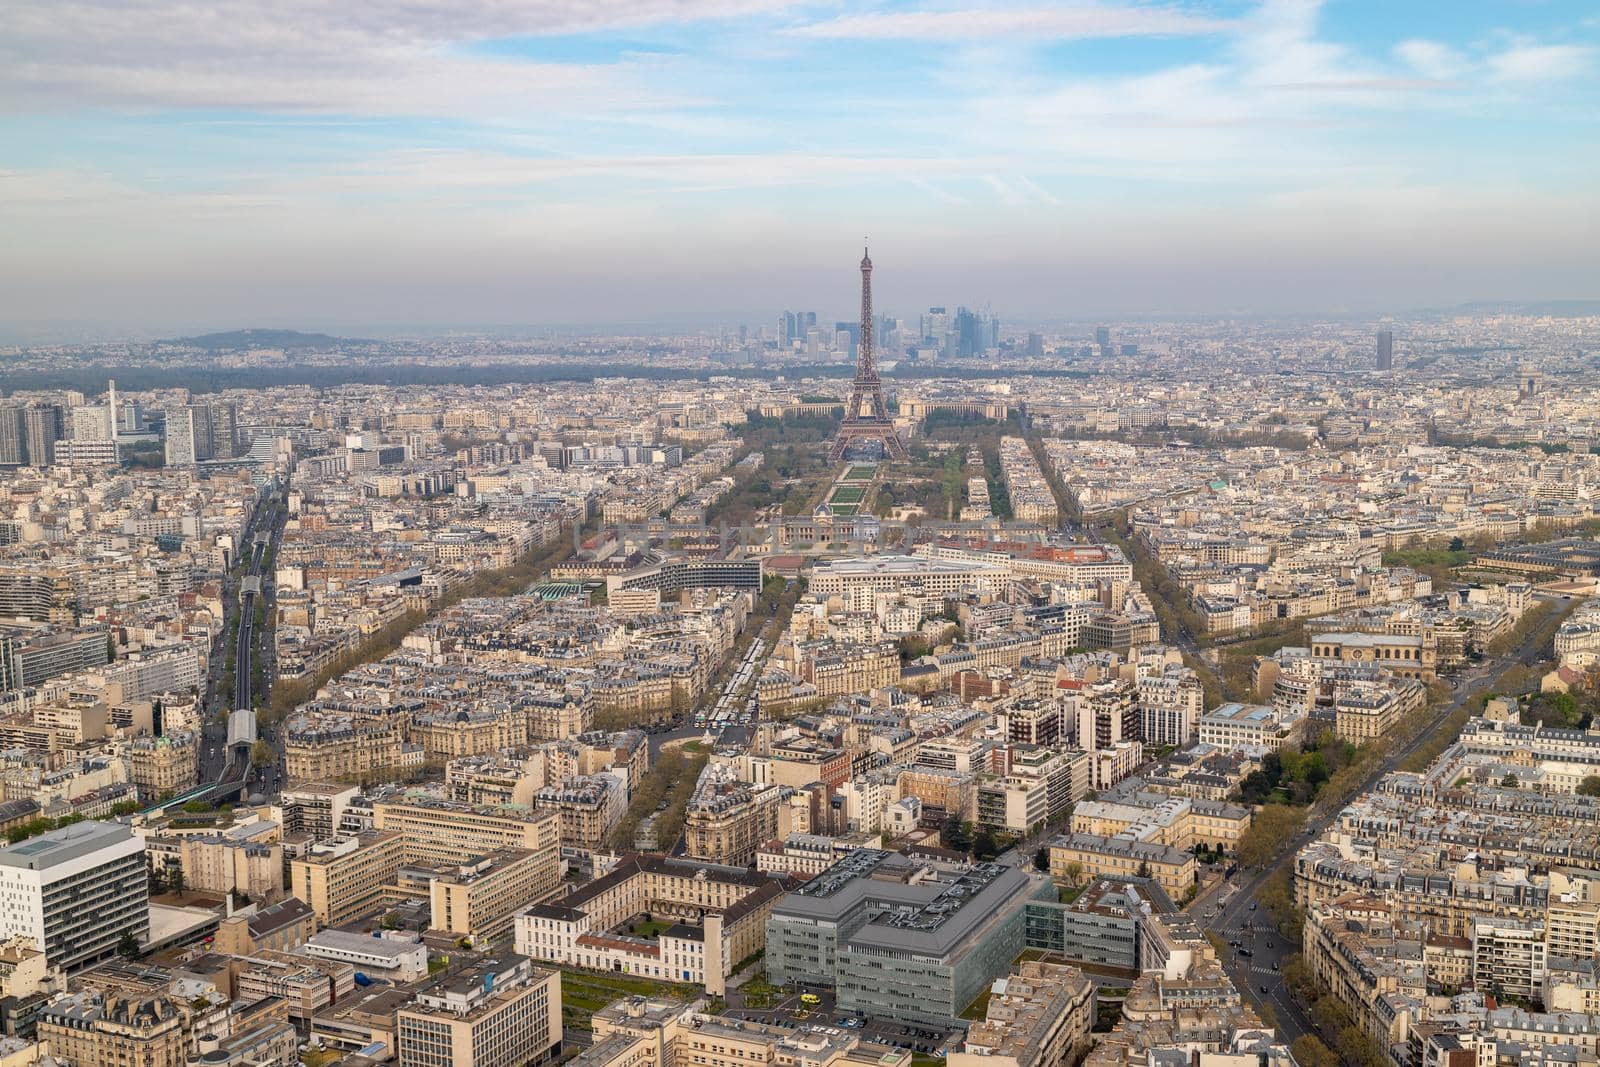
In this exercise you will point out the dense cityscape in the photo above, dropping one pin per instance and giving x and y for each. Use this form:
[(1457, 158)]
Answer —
[(789, 533), (1012, 694)]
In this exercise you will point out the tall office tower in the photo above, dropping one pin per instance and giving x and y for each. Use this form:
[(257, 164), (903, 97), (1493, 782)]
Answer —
[(966, 330), (182, 448), (1035, 345), (76, 891), (1102, 339), (935, 324), (13, 439), (866, 417), (111, 403), (853, 332), (1385, 349), (42, 427)]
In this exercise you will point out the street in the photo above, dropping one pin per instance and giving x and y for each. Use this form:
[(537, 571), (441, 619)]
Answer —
[(1258, 975), (251, 644)]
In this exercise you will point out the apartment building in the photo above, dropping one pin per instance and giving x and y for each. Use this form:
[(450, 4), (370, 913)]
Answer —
[(1039, 1016), (1508, 957), (728, 820), (163, 765), (316, 808), (89, 1028)]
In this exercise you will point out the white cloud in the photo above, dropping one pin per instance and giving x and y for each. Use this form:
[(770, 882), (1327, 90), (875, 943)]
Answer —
[(371, 57), (1526, 62), (1064, 22), (1431, 59)]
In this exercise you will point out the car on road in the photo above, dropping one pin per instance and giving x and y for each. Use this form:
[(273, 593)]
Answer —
[(1263, 989)]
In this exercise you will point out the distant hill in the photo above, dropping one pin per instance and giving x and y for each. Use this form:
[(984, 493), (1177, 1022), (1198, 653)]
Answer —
[(286, 339)]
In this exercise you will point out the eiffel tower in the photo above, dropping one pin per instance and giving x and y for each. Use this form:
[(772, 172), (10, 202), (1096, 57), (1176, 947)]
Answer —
[(866, 419)]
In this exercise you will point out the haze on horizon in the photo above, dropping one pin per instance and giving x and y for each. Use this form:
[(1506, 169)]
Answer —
[(187, 166)]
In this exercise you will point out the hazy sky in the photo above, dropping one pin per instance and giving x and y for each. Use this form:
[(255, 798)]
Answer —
[(178, 164)]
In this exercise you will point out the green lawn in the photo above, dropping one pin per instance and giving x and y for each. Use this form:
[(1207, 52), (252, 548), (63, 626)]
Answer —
[(844, 509), (847, 494), (583, 993), (653, 928), (858, 474), (760, 993), (978, 1009)]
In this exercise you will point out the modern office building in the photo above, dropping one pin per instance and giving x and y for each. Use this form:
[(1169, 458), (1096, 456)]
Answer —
[(1385, 349), (443, 832), (903, 938), (670, 577), (77, 891), (497, 1013), (344, 879)]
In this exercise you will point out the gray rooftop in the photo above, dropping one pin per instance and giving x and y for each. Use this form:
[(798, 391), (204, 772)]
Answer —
[(59, 846)]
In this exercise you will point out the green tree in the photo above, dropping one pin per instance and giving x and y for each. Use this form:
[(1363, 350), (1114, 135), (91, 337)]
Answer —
[(128, 945), (1590, 786), (1509, 781), (262, 754), (1271, 830), (1309, 1051), (1041, 859)]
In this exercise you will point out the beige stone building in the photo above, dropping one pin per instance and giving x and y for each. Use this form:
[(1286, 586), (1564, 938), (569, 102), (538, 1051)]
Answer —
[(661, 1033), (86, 1028), (1038, 1017), (281, 927), (442, 832), (729, 820), (344, 880), (480, 898), (324, 752), (1090, 854), (162, 766)]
